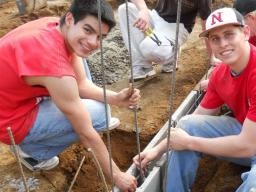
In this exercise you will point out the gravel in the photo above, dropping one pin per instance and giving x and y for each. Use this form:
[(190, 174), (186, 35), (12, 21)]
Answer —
[(18, 185), (115, 59)]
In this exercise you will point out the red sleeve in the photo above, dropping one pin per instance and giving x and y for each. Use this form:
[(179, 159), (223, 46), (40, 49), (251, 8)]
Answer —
[(252, 97), (211, 99), (42, 55)]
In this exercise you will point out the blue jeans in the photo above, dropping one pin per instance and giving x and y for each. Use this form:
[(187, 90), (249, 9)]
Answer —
[(52, 133), (183, 165)]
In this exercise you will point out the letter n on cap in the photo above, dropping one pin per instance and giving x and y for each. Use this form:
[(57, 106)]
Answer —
[(216, 17)]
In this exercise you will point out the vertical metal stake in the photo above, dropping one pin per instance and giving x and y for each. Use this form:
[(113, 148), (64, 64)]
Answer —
[(99, 168), (105, 94), (132, 86), (17, 157), (77, 172)]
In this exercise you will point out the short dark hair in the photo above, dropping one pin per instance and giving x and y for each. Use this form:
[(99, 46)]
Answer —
[(82, 8)]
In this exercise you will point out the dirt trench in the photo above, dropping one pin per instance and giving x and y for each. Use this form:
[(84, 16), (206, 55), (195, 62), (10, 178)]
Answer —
[(213, 175)]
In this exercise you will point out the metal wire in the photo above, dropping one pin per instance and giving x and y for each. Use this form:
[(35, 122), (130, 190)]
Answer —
[(132, 84), (99, 168), (77, 172), (105, 96), (172, 89), (17, 155)]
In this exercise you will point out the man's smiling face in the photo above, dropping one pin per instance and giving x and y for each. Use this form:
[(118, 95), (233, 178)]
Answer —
[(83, 37)]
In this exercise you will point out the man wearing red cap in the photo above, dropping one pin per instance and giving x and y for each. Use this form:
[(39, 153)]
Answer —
[(233, 82)]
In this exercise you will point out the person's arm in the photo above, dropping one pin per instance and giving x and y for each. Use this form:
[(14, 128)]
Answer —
[(203, 111), (64, 93), (161, 148), (87, 89), (143, 20), (241, 145), (151, 154)]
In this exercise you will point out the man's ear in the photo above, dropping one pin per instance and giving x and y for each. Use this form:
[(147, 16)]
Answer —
[(69, 19), (247, 32)]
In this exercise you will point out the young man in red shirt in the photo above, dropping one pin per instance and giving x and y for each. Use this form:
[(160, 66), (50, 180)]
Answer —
[(44, 91), (232, 82), (248, 9)]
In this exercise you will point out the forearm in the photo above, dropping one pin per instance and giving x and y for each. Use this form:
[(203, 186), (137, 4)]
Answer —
[(203, 111), (228, 146), (97, 145), (92, 91), (91, 139), (87, 89), (69, 102), (161, 148)]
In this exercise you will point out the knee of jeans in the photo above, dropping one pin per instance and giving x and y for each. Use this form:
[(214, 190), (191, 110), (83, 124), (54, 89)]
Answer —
[(190, 123), (99, 117), (100, 111), (244, 176)]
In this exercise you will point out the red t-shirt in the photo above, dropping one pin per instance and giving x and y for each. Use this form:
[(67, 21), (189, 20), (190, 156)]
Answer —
[(36, 48), (239, 92)]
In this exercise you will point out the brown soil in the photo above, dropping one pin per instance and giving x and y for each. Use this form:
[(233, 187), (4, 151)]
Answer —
[(213, 175)]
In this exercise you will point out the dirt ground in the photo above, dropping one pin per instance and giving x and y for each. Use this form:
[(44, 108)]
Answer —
[(213, 175)]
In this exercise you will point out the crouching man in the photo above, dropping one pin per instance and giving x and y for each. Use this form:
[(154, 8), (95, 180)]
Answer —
[(45, 95), (233, 82)]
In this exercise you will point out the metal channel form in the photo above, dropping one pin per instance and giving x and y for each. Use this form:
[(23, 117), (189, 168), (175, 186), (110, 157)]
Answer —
[(154, 180)]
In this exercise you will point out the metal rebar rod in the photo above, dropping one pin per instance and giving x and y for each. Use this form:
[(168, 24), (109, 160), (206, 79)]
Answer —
[(132, 85), (172, 89), (129, 43), (17, 158), (77, 172), (105, 96), (99, 168)]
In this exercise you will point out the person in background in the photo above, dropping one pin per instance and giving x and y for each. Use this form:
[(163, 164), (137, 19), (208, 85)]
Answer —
[(248, 9), (28, 6), (153, 32), (45, 96), (233, 82)]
